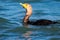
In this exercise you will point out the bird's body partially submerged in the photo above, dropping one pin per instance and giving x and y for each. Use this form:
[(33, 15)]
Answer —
[(28, 8), (41, 22)]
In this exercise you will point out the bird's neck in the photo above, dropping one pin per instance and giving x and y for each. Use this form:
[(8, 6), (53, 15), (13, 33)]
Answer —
[(28, 14)]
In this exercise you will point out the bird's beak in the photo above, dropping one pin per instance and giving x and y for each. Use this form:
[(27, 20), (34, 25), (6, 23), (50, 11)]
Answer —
[(23, 5)]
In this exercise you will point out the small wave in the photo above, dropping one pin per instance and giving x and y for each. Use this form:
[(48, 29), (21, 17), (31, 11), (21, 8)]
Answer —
[(3, 20)]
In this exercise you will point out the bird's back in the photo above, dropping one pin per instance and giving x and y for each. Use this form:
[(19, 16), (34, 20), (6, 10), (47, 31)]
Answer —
[(42, 22)]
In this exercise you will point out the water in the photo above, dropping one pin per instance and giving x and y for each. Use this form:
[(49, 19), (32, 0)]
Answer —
[(12, 14)]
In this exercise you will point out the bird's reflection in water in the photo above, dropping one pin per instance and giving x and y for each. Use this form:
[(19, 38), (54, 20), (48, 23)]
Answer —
[(27, 33)]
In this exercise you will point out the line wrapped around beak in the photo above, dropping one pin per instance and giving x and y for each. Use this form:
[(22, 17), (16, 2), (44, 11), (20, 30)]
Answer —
[(23, 5)]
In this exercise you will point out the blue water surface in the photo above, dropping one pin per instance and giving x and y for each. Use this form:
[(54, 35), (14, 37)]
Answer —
[(12, 14)]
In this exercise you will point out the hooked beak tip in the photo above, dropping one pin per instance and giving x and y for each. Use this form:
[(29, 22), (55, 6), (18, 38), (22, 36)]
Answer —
[(20, 3)]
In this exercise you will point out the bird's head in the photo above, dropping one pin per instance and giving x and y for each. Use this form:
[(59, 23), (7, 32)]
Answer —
[(26, 5), (28, 8)]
